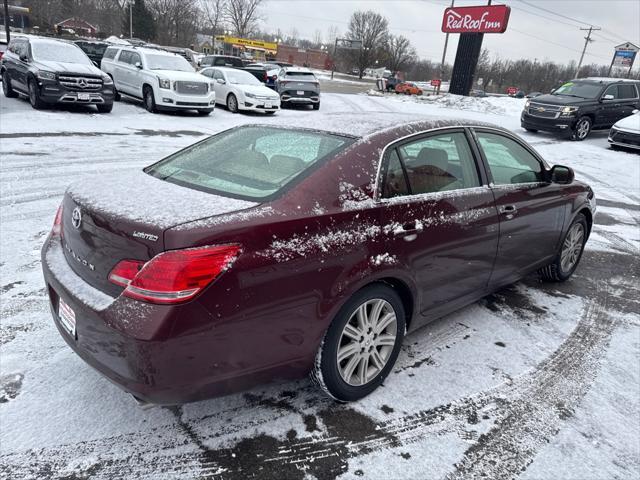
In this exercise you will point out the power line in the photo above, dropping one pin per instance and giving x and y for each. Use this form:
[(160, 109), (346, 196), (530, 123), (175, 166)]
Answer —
[(555, 13)]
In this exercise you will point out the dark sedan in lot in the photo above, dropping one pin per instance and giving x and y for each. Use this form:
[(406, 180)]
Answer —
[(269, 252)]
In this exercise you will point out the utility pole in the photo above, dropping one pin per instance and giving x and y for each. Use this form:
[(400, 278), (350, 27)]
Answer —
[(587, 40), (444, 55), (6, 20), (130, 19)]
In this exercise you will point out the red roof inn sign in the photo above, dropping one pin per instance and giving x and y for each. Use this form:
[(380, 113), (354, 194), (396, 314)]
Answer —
[(480, 19)]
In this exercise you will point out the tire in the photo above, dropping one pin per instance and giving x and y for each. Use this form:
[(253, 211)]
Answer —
[(6, 86), (532, 130), (582, 129), (270, 113), (205, 111), (316, 106), (149, 100), (105, 107), (34, 96), (571, 249), (232, 103), (364, 374)]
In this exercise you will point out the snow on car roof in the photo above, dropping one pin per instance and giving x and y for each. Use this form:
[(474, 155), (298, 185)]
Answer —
[(357, 125)]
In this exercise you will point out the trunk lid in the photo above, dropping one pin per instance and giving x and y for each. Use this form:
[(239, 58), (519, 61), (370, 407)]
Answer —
[(110, 218)]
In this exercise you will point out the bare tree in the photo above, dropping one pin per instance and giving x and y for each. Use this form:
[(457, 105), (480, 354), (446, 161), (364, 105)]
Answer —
[(214, 11), (243, 15), (370, 28), (398, 52), (332, 34), (317, 38), (293, 37)]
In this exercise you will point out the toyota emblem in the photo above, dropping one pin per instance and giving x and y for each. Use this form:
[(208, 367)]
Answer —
[(76, 217)]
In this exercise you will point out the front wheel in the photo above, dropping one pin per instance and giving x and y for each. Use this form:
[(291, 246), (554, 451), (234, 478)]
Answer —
[(532, 130), (316, 106), (105, 107), (6, 86), (361, 345), (570, 253), (232, 103), (582, 129), (205, 111), (149, 100), (34, 96)]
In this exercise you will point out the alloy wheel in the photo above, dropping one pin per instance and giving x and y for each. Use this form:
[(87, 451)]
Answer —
[(572, 247), (232, 103), (583, 129), (367, 341), (32, 93)]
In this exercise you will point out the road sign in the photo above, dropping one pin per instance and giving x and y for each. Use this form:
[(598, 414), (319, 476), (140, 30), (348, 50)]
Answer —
[(625, 55), (479, 19), (436, 82), (348, 44)]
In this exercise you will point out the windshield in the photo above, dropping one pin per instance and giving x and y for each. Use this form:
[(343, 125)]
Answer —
[(240, 77), (58, 52), (252, 162), (168, 62), (579, 89)]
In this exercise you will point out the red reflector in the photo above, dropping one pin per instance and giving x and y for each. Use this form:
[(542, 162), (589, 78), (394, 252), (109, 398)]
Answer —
[(57, 222), (178, 275), (125, 271)]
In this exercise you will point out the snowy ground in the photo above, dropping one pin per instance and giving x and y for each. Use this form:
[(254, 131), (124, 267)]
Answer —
[(536, 381)]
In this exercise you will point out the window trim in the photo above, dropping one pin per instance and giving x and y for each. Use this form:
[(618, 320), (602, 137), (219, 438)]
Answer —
[(398, 142), (522, 143)]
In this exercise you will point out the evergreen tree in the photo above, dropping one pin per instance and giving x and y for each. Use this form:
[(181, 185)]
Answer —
[(144, 25)]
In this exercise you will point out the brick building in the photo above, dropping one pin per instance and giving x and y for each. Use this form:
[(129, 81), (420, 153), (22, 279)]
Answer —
[(304, 57)]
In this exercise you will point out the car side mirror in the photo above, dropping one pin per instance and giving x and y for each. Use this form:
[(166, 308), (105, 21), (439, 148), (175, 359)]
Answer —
[(24, 57), (221, 81), (561, 174), (607, 97), (138, 65)]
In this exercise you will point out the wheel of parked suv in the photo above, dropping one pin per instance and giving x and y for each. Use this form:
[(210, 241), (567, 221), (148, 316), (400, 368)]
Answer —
[(105, 107), (316, 106), (232, 103), (570, 253), (34, 95), (205, 111), (582, 128), (532, 130), (149, 100), (270, 113), (6, 86), (361, 345)]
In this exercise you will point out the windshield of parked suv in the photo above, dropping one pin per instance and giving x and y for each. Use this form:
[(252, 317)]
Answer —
[(58, 52), (252, 162), (240, 77), (168, 62), (579, 89)]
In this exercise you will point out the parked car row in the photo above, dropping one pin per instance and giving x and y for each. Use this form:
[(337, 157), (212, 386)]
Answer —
[(52, 71)]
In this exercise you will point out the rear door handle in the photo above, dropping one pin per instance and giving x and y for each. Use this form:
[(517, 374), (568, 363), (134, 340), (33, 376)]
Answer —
[(409, 230)]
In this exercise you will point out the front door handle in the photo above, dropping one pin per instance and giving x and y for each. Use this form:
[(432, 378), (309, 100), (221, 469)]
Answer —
[(409, 230), (508, 210)]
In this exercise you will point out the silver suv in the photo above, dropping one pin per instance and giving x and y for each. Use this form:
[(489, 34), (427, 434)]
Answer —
[(298, 86)]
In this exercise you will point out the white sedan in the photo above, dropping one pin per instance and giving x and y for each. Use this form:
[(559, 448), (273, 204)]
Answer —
[(626, 132), (239, 90)]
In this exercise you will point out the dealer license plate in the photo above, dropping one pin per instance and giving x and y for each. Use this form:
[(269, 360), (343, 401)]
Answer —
[(67, 317), (267, 105), (300, 92), (84, 96)]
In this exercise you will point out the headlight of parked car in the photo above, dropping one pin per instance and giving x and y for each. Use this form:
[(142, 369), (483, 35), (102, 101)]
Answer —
[(250, 95), (164, 83), (569, 110), (106, 80), (527, 103), (46, 75)]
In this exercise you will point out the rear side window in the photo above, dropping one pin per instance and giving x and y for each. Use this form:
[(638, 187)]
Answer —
[(627, 91), (125, 56), (395, 184), (439, 163), (110, 53), (248, 162), (509, 162)]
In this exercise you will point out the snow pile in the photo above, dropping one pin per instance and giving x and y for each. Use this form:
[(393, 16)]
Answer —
[(383, 259), (374, 93)]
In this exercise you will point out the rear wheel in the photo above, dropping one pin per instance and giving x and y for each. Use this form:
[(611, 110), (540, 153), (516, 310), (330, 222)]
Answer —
[(149, 100), (34, 95), (232, 103), (6, 86), (361, 345), (582, 128), (570, 253), (105, 107)]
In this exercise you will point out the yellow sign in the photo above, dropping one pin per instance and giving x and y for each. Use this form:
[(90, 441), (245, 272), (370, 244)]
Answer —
[(247, 43)]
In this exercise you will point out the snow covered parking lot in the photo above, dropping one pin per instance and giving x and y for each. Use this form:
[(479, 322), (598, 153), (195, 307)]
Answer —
[(538, 381)]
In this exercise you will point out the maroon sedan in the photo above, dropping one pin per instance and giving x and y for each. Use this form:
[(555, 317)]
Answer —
[(270, 252)]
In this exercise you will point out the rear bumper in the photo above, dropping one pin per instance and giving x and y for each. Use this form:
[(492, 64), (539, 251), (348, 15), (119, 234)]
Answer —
[(308, 97), (559, 125), (152, 351)]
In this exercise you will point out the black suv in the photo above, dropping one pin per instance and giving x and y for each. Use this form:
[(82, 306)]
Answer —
[(579, 106), (54, 71)]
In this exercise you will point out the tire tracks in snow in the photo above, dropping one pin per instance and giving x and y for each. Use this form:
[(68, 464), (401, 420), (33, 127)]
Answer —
[(522, 416)]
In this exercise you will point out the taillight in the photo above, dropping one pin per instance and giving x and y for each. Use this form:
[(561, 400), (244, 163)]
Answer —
[(57, 222), (125, 271), (175, 276), (273, 77), (266, 77)]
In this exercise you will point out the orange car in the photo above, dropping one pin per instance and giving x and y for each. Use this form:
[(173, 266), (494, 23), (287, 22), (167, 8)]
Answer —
[(408, 88)]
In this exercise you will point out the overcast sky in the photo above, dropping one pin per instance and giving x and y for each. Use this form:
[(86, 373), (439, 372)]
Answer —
[(532, 33)]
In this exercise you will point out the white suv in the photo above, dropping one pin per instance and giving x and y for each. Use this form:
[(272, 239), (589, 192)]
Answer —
[(163, 80)]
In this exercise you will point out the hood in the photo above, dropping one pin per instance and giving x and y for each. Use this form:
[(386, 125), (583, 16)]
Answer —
[(182, 76), (258, 90), (61, 67), (561, 100), (630, 123), (146, 200)]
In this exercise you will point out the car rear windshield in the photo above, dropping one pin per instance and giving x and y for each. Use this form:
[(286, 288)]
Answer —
[(168, 62), (251, 162), (302, 75), (58, 52), (579, 89)]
